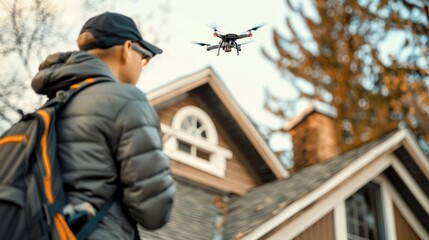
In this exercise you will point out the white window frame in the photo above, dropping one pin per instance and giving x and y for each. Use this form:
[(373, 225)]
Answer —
[(380, 212), (216, 164), (389, 196)]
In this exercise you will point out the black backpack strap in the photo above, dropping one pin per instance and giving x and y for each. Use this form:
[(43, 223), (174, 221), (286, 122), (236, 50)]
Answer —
[(91, 225), (63, 96)]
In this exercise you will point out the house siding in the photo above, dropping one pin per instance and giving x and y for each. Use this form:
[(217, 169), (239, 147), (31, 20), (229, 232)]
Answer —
[(237, 178), (321, 230), (403, 228)]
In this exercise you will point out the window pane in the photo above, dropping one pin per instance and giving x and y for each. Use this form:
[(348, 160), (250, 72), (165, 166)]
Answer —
[(364, 216), (204, 134), (185, 147), (362, 231), (194, 126), (186, 123), (203, 154)]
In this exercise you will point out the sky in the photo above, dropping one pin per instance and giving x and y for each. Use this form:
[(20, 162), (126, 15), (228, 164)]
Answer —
[(246, 75), (186, 21), (177, 24)]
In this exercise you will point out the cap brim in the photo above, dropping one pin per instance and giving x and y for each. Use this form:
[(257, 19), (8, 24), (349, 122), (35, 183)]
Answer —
[(142, 50), (149, 46)]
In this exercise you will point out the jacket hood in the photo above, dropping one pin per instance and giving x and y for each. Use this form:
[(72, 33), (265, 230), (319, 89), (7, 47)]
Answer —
[(61, 70)]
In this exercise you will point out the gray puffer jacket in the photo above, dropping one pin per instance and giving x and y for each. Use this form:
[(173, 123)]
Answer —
[(109, 140)]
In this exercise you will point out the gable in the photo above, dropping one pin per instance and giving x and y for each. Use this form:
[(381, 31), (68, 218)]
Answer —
[(209, 89), (323, 229), (292, 213), (237, 179), (289, 207), (296, 206)]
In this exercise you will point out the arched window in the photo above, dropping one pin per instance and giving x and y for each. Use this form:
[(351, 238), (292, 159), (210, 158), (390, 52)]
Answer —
[(193, 125), (192, 139)]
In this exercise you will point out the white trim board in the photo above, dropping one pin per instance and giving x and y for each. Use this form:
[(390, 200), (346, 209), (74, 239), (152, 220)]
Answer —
[(389, 196), (208, 76), (411, 184), (340, 218), (404, 209), (331, 200), (412, 146), (388, 212), (182, 82), (377, 152), (244, 122), (340, 221), (216, 165)]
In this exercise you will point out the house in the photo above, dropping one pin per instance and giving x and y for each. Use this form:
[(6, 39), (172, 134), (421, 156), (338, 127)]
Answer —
[(231, 186)]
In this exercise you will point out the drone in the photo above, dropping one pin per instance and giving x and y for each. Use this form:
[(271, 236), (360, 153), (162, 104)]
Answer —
[(228, 41)]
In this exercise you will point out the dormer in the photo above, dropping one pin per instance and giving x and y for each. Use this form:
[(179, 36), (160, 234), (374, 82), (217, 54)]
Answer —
[(209, 139)]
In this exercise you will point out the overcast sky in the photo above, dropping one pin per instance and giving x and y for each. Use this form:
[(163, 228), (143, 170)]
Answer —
[(246, 75), (186, 21), (180, 22)]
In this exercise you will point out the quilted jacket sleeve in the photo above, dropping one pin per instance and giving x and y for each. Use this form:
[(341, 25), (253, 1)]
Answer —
[(148, 187)]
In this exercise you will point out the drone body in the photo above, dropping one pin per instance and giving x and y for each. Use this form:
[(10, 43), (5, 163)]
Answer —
[(228, 41)]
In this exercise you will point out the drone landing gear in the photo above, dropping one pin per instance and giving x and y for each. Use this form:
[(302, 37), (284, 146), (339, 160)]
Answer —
[(220, 45)]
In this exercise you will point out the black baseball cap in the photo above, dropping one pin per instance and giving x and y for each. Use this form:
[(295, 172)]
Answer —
[(110, 29)]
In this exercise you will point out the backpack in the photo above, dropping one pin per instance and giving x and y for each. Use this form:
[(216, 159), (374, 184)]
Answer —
[(31, 191)]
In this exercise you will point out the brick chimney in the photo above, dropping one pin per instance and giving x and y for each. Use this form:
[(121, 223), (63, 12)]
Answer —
[(313, 135)]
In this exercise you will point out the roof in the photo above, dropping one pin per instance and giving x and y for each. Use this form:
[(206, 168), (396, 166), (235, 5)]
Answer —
[(293, 195), (261, 204), (195, 216), (207, 87)]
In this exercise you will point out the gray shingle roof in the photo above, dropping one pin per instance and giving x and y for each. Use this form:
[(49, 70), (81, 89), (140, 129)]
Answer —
[(193, 216), (262, 203)]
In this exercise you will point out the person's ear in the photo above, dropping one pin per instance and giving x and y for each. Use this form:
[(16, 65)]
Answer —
[(126, 51), (145, 62)]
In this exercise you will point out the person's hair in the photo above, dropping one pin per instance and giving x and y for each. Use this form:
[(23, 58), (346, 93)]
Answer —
[(86, 38)]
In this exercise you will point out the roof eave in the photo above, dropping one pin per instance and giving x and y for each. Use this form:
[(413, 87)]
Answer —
[(209, 76), (402, 137)]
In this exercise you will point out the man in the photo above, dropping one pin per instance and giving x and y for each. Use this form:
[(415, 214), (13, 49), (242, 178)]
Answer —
[(109, 141)]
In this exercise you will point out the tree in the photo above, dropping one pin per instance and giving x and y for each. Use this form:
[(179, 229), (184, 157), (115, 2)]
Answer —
[(30, 30), (342, 54), (26, 30)]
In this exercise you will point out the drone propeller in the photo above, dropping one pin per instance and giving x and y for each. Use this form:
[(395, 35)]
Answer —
[(213, 26), (201, 44), (215, 29), (255, 28)]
